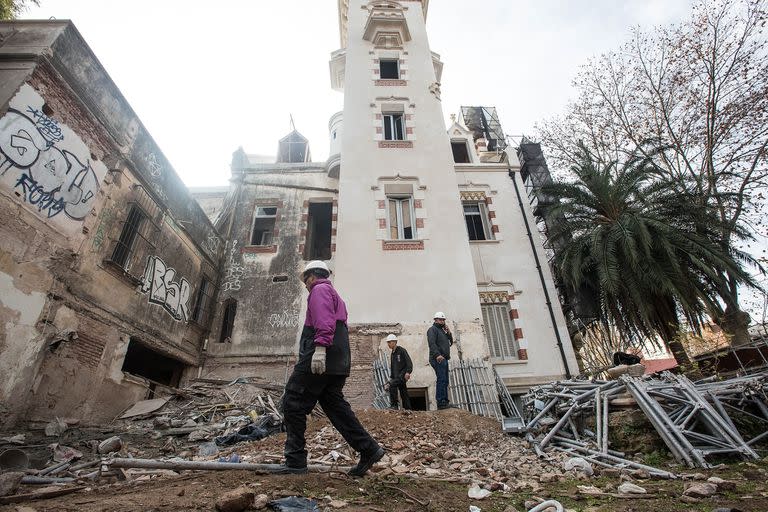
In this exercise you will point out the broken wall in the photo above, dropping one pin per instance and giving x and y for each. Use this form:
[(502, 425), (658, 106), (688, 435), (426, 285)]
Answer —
[(74, 160)]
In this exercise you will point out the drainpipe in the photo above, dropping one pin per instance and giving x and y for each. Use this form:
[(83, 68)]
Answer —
[(541, 275)]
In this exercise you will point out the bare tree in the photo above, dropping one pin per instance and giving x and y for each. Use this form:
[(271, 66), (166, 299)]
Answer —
[(11, 9), (699, 89)]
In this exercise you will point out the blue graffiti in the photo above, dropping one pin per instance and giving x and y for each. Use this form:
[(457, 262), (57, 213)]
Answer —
[(47, 127), (36, 195)]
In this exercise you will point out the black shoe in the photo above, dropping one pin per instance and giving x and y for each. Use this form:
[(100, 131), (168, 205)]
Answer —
[(393, 407), (289, 470), (366, 461)]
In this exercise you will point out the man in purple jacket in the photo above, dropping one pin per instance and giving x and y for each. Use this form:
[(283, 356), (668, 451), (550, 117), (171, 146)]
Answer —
[(319, 376)]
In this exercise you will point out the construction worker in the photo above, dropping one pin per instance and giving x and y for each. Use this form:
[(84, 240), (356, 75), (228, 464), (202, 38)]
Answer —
[(319, 376), (440, 339), (401, 368)]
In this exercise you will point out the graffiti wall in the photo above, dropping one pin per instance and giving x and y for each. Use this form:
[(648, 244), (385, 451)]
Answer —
[(45, 164), (164, 290)]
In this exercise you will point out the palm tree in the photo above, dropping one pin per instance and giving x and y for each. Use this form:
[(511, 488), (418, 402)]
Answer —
[(645, 249)]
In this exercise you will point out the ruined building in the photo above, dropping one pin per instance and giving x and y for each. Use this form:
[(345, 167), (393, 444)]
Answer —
[(114, 283)]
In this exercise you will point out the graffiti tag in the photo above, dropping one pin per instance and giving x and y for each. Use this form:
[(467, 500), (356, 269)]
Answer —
[(284, 319), (51, 178), (106, 218), (234, 272), (159, 283)]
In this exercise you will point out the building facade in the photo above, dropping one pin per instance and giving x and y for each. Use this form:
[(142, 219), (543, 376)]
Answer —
[(413, 218), (107, 266)]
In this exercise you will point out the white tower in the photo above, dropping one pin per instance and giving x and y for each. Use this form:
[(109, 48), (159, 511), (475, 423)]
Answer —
[(402, 250)]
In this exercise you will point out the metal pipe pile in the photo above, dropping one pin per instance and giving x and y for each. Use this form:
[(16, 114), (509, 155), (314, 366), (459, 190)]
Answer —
[(695, 421), (472, 387)]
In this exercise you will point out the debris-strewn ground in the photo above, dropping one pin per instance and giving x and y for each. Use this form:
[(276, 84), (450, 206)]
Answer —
[(433, 459)]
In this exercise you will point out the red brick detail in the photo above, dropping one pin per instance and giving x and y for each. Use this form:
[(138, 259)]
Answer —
[(333, 231), (408, 117), (255, 249), (513, 314), (335, 202), (306, 204), (304, 217), (379, 116), (301, 248), (495, 228), (376, 72), (491, 214), (417, 203), (518, 333), (396, 144), (333, 247), (375, 61), (382, 223), (88, 348), (488, 200), (379, 129), (409, 131), (275, 231), (403, 71), (419, 223), (402, 245), (334, 216), (510, 298), (522, 354), (303, 232), (391, 83), (380, 205)]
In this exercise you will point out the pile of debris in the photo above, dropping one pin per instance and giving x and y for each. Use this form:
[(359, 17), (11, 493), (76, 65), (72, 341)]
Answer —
[(696, 421)]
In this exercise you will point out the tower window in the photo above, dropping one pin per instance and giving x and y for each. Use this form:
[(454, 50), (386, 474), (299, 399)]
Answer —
[(476, 216), (460, 152), (401, 217), (264, 225), (393, 127), (318, 242), (389, 69)]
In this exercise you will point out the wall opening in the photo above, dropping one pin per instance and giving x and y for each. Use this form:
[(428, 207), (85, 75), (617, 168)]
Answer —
[(460, 152), (318, 243), (228, 321), (142, 361), (419, 398)]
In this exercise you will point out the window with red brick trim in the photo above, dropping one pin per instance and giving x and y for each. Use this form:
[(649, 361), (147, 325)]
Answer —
[(500, 331)]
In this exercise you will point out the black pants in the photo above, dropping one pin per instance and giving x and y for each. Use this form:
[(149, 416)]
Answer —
[(396, 385), (302, 392)]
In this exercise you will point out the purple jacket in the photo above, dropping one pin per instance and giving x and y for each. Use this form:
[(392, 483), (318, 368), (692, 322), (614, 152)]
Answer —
[(324, 309)]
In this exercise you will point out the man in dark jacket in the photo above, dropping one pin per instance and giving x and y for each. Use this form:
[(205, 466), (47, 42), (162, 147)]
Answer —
[(401, 368), (440, 340), (319, 376)]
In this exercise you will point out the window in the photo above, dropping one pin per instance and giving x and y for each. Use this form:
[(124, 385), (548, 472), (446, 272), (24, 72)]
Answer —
[(500, 331), (228, 321), (389, 69), (393, 127), (202, 302), (476, 216), (121, 255), (264, 225), (402, 223), (145, 362), (318, 243), (460, 152)]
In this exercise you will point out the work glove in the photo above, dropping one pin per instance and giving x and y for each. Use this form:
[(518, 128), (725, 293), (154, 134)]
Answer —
[(318, 360)]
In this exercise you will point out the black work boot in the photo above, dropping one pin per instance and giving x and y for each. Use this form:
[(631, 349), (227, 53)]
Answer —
[(290, 470), (366, 461)]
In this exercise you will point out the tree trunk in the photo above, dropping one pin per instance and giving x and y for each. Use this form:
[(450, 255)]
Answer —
[(735, 323)]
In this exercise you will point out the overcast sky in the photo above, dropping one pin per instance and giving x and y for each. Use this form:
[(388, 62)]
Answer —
[(207, 77)]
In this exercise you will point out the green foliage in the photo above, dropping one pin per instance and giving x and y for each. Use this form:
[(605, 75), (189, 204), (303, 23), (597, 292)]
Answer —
[(11, 9), (644, 246)]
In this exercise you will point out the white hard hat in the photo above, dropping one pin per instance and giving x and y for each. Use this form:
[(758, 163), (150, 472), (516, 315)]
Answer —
[(316, 264), (439, 314), (391, 337)]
